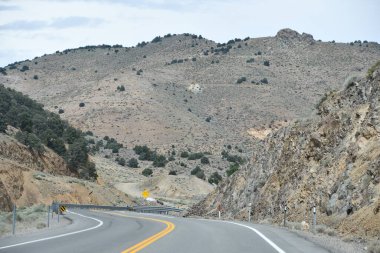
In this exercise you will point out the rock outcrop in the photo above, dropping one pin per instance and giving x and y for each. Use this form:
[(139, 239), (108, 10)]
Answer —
[(331, 161)]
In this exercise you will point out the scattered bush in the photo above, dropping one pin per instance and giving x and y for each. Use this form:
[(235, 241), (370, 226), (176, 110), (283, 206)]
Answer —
[(133, 163), (195, 156), (157, 39), (139, 72), (232, 169), (251, 60), (121, 88), (160, 161), (147, 172), (198, 172), (35, 77), (81, 104), (184, 154), (173, 172), (264, 80), (266, 63), (193, 59), (121, 161), (208, 119), (24, 68), (113, 145), (215, 178), (205, 160), (3, 71), (145, 153), (60, 111), (241, 79)]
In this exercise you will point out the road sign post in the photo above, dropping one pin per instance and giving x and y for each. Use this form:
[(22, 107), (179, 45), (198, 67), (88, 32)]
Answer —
[(285, 210), (145, 194), (249, 212)]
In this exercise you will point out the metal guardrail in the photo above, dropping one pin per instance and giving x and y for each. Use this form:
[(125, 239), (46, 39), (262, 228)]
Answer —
[(140, 209)]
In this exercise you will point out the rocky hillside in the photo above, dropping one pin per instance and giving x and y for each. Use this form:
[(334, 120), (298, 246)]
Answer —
[(28, 178), (332, 161)]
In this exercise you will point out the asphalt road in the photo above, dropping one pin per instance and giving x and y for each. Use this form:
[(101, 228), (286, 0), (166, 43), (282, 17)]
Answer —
[(131, 232)]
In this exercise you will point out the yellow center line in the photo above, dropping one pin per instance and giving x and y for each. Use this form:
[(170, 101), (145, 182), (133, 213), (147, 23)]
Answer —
[(143, 244)]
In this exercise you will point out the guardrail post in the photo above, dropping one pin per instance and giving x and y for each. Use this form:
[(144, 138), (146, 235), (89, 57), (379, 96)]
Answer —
[(285, 210), (58, 214), (249, 212), (48, 217), (14, 220), (314, 219)]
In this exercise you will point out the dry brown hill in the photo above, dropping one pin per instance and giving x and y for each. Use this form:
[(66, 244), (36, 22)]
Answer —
[(331, 161), (157, 107)]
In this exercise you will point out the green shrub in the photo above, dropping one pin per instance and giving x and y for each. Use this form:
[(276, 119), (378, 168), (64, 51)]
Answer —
[(232, 169), (121, 88), (3, 71), (195, 156), (184, 154), (157, 39), (198, 172), (133, 163), (241, 79), (215, 178), (31, 141), (160, 161), (264, 80), (24, 68), (121, 161), (145, 153), (205, 160), (147, 172)]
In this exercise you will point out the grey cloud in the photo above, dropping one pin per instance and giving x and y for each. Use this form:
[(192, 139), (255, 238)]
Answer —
[(24, 25), (58, 23), (9, 7), (62, 23)]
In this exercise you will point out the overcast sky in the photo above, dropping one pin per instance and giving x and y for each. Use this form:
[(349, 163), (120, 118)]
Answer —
[(31, 28)]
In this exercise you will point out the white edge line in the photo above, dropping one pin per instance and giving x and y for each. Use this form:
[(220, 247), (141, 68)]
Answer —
[(277, 248), (62, 235)]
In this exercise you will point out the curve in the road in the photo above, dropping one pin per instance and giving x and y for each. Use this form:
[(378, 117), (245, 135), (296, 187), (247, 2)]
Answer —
[(100, 223), (143, 244)]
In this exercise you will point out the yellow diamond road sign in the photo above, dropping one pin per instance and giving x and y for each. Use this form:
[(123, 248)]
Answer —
[(145, 194)]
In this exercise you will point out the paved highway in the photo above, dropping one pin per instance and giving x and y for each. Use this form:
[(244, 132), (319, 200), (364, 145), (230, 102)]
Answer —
[(131, 232)]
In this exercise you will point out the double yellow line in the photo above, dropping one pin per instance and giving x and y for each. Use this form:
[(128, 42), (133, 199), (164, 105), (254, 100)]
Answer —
[(141, 245)]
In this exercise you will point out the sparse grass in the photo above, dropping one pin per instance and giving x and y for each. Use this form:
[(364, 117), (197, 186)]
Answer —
[(372, 69), (374, 247), (28, 218)]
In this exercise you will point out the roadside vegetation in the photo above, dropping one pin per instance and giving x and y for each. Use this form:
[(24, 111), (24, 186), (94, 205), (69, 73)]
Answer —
[(39, 128)]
